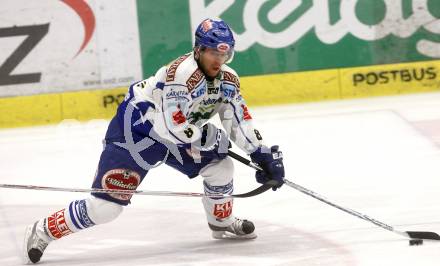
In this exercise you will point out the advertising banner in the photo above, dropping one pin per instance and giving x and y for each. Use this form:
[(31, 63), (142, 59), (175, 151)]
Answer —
[(278, 36), (63, 45)]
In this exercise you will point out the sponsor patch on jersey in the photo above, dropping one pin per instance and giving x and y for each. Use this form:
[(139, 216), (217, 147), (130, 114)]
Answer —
[(222, 211), (199, 91), (223, 47), (229, 77), (211, 101), (246, 115), (57, 226), (171, 71), (196, 116), (212, 90), (121, 179), (228, 91), (177, 95), (194, 79)]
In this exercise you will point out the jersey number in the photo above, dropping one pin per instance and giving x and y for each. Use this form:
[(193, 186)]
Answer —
[(257, 134), (189, 132)]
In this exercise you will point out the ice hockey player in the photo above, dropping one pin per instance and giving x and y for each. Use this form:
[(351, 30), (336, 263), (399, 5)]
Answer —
[(164, 119)]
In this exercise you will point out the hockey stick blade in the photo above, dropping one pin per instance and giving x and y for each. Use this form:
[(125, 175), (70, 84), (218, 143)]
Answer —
[(263, 188), (423, 235)]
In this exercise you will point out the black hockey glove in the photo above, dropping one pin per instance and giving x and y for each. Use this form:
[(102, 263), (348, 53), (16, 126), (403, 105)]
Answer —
[(214, 143), (272, 163)]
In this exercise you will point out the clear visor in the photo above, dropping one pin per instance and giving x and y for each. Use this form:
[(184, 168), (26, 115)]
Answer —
[(224, 57)]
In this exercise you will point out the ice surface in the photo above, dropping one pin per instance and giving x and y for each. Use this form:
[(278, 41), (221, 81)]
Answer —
[(378, 156)]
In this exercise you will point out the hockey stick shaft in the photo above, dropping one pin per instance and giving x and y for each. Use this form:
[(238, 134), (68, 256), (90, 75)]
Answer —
[(113, 191), (409, 234), (347, 210), (251, 193), (243, 160)]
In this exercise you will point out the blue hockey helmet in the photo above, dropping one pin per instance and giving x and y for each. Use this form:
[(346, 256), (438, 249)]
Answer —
[(215, 34)]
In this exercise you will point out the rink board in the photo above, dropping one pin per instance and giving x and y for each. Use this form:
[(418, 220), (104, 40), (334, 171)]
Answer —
[(273, 89)]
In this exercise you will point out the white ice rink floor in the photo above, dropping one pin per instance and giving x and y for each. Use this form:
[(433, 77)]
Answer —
[(379, 156)]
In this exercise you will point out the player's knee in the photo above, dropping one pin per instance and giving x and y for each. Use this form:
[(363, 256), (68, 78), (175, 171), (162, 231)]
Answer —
[(102, 211), (218, 173)]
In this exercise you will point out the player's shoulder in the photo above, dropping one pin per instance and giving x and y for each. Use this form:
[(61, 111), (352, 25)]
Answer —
[(226, 68), (180, 70), (152, 82), (230, 76)]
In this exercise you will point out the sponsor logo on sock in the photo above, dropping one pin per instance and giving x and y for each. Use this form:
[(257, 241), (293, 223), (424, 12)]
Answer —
[(57, 226), (222, 211)]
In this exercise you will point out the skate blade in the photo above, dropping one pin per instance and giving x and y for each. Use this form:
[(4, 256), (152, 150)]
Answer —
[(25, 257), (230, 236)]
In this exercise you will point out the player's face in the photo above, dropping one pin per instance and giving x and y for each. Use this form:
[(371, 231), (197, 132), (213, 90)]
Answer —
[(212, 60)]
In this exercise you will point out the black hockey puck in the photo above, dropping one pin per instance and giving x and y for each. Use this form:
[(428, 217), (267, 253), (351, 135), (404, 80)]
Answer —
[(415, 242)]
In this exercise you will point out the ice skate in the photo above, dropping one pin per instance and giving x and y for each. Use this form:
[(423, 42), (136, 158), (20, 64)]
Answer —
[(239, 229), (33, 246)]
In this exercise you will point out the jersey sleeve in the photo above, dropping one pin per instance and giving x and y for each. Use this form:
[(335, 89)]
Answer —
[(164, 103), (237, 120), (139, 103)]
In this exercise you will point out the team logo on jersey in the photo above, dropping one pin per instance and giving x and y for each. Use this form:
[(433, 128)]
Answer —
[(121, 179), (57, 226), (222, 211), (223, 47), (178, 116)]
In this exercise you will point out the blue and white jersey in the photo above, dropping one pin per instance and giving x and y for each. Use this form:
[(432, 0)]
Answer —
[(181, 100)]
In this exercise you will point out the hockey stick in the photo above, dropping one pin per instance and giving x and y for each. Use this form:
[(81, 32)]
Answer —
[(252, 193), (408, 234)]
